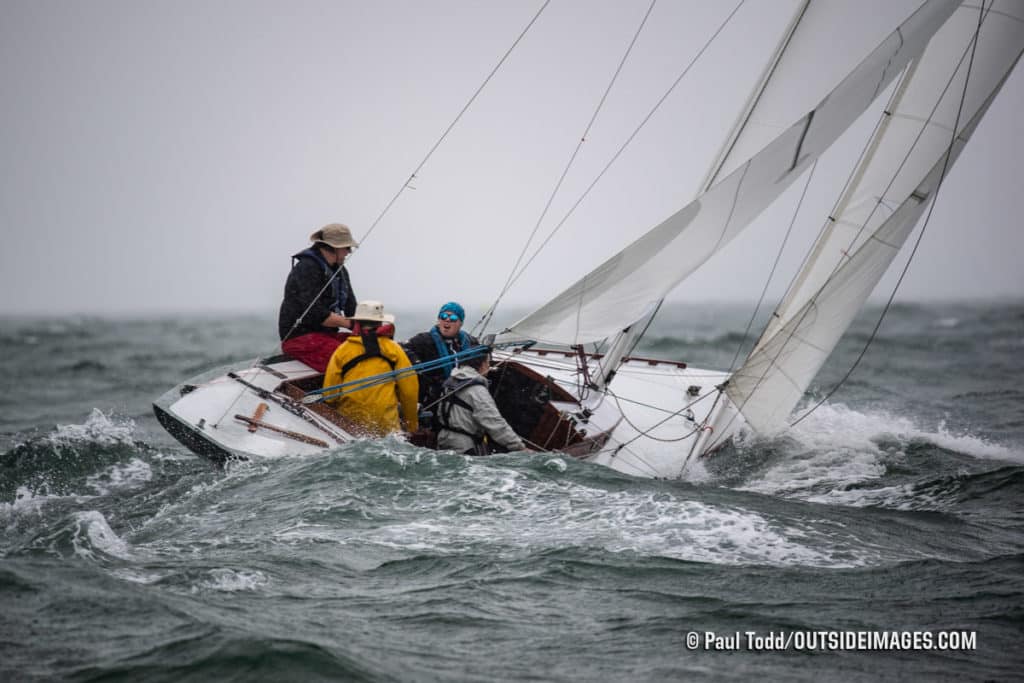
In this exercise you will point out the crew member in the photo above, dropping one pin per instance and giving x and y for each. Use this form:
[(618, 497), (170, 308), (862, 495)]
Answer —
[(467, 415), (318, 298), (443, 340), (367, 352)]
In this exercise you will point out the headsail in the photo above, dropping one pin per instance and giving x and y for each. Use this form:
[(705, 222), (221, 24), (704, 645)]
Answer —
[(791, 82), (879, 210), (630, 284)]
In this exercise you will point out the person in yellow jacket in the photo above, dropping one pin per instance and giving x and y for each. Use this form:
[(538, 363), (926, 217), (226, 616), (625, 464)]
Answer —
[(364, 354)]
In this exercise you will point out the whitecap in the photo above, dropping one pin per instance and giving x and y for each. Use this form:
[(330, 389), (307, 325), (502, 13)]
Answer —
[(832, 424), (99, 428), (556, 465), (836, 449), (235, 580), (30, 502), (503, 508), (119, 477), (136, 576), (968, 444), (92, 531)]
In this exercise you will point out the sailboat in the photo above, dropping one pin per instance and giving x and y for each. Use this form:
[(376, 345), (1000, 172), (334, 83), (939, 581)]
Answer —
[(929, 82)]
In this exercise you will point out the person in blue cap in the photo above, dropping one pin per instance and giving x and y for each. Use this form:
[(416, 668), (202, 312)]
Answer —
[(444, 339)]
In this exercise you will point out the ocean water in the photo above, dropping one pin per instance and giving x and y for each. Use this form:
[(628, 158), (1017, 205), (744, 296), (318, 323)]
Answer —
[(893, 512)]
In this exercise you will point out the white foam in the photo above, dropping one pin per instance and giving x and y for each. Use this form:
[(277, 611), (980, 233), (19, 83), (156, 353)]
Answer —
[(235, 580), (972, 445), (837, 467), (120, 477), (835, 423), (508, 509), (174, 457), (900, 497), (92, 531), (696, 472), (836, 447), (556, 465), (99, 428), (136, 576), (29, 502), (25, 501), (116, 478)]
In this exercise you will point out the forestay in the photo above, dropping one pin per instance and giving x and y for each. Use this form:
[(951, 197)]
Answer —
[(629, 285), (877, 213)]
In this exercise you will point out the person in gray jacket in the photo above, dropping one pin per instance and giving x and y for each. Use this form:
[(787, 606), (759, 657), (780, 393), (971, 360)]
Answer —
[(468, 418)]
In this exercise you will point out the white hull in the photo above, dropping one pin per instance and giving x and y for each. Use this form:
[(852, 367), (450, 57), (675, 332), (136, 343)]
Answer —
[(201, 413), (651, 423)]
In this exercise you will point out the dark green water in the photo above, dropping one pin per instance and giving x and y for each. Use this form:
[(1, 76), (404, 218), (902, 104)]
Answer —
[(896, 507)]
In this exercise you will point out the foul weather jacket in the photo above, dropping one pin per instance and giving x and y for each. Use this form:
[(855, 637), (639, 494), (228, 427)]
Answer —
[(377, 407), (465, 428), (308, 278)]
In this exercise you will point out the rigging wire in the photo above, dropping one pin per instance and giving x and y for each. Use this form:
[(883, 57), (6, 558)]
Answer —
[(572, 159), (614, 158), (430, 153), (942, 177), (880, 201), (821, 232), (647, 432), (713, 177), (447, 130), (768, 280), (405, 185), (771, 274)]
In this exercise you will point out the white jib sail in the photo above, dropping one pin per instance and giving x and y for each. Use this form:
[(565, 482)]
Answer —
[(630, 284), (807, 62), (879, 210), (811, 59)]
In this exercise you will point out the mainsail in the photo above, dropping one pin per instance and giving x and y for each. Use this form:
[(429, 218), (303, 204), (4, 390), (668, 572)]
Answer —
[(629, 286), (877, 212)]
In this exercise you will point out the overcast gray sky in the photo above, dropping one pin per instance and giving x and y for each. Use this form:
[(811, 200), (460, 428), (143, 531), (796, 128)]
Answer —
[(164, 156)]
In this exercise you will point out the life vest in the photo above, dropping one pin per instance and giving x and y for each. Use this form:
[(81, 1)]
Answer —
[(339, 282), (372, 347), (445, 351), (450, 390)]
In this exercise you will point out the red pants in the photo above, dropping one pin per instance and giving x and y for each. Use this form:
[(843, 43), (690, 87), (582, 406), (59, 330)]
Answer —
[(314, 349)]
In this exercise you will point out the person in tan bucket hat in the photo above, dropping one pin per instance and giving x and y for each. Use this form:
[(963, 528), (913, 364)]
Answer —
[(318, 297), (382, 407)]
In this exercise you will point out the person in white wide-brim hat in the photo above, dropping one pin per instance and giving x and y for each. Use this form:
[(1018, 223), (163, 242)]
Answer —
[(318, 297), (369, 351)]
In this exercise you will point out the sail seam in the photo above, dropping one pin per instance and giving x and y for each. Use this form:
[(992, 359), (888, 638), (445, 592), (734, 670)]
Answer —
[(892, 106), (894, 247), (945, 159), (925, 121)]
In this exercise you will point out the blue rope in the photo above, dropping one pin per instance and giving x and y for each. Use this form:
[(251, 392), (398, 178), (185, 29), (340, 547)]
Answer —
[(316, 396)]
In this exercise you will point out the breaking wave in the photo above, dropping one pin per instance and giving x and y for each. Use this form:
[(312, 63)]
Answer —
[(872, 458)]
